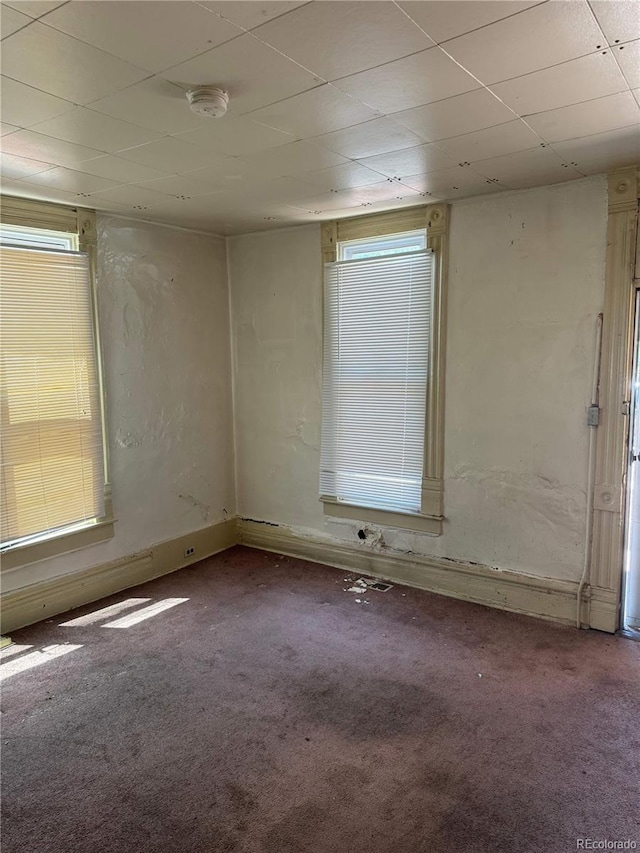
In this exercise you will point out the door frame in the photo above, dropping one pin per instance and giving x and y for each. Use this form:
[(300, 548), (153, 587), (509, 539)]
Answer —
[(600, 605)]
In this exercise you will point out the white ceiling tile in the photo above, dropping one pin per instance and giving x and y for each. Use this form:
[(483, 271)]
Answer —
[(235, 135), (265, 191), (36, 146), (365, 140), (171, 155), (35, 8), (13, 166), (472, 111), (228, 172), (253, 74), (411, 82), (179, 185), (154, 103), (312, 113), (588, 77), (619, 19), (290, 160), (602, 151), (534, 168), (536, 38), (335, 39), (24, 106), (40, 193), (55, 63), (95, 130), (445, 180), (388, 190), (379, 206), (178, 31), (119, 170), (347, 176), (503, 139), (70, 181), (12, 21), (636, 95), (469, 191), (410, 161), (444, 21), (130, 196), (392, 191), (251, 15), (6, 129), (628, 57), (339, 200), (596, 116)]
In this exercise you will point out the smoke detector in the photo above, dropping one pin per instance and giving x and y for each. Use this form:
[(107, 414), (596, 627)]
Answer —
[(208, 101)]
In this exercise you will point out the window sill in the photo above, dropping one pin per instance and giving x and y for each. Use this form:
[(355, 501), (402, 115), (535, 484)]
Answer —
[(431, 524), (34, 552)]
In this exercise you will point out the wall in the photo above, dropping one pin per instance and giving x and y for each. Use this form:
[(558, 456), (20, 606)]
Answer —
[(164, 319), (525, 286)]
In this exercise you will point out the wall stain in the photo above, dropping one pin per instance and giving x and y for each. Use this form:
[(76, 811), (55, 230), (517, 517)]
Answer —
[(202, 508)]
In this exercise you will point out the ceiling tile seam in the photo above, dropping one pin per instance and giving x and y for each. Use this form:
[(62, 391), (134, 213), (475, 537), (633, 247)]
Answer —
[(43, 91), (235, 24), (19, 30), (378, 113), (146, 71), (635, 124), (561, 161), (415, 132), (464, 165), (615, 54), (335, 79), (466, 32), (16, 6), (161, 135), (99, 152), (87, 44), (555, 65), (577, 103), (606, 41), (319, 78), (543, 142)]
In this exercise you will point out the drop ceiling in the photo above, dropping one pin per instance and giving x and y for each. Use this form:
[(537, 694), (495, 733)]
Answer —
[(336, 108)]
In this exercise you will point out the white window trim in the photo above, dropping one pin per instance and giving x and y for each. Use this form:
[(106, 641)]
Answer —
[(435, 218), (55, 217)]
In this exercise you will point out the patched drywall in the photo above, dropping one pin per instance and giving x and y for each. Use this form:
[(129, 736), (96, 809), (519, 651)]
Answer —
[(164, 319), (526, 284)]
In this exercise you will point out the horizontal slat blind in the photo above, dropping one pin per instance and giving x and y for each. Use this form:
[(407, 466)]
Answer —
[(376, 350), (52, 457)]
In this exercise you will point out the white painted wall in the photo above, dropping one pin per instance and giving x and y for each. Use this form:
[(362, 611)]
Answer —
[(164, 319), (526, 284)]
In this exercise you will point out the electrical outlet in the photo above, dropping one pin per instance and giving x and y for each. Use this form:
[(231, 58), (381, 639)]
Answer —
[(189, 552)]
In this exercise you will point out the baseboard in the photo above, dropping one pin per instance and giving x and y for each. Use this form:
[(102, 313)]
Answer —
[(603, 610), (49, 598), (544, 598)]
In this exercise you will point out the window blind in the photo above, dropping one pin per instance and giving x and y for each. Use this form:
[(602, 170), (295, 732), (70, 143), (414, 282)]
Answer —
[(375, 367), (52, 460)]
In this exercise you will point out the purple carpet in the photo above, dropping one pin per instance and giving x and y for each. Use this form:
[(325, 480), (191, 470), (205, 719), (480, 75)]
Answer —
[(271, 712)]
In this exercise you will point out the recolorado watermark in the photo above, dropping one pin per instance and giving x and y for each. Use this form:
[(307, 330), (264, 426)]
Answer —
[(606, 844)]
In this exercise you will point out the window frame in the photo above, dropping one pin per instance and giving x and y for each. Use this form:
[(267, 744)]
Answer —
[(435, 219), (29, 213)]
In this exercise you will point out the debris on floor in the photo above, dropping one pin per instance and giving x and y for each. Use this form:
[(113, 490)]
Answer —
[(367, 583)]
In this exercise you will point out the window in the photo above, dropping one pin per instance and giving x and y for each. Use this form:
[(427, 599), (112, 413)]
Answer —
[(54, 495), (381, 456)]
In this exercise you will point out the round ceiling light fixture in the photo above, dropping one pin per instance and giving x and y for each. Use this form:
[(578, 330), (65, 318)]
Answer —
[(208, 101)]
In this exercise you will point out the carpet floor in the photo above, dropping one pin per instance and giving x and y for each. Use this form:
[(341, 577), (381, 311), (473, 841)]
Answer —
[(272, 711)]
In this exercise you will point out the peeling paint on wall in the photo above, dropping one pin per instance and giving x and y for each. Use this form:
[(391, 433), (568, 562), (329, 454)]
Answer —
[(164, 319), (526, 284)]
